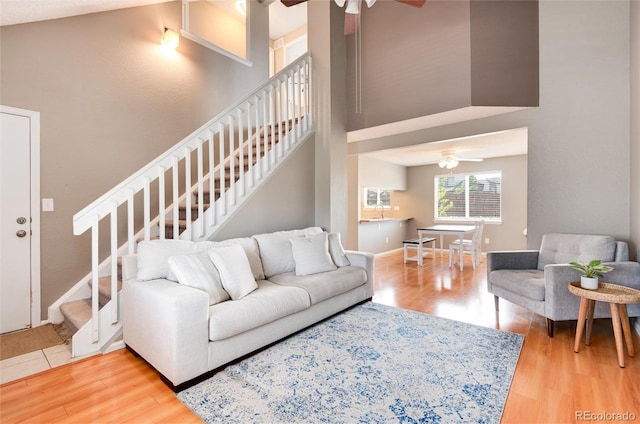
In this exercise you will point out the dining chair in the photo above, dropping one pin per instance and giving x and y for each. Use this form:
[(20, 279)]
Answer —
[(474, 246)]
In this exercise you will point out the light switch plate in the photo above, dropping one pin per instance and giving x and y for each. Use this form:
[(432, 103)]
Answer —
[(47, 205)]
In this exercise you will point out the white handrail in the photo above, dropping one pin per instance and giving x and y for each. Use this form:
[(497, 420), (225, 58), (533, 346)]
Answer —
[(229, 160)]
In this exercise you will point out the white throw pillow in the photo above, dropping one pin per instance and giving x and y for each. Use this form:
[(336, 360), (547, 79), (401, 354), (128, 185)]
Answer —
[(235, 270), (153, 256), (198, 271), (337, 251), (275, 249), (311, 254)]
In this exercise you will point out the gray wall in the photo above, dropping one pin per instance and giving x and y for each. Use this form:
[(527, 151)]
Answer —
[(284, 202), (109, 102), (417, 201), (579, 136), (444, 56)]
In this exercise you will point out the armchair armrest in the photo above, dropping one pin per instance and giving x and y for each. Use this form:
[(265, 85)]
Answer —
[(514, 259), (560, 304), (626, 273)]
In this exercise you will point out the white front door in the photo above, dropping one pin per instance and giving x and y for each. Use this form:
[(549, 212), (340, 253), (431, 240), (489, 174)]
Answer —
[(16, 219)]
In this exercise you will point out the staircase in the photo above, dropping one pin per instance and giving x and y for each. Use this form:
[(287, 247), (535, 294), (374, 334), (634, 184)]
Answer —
[(187, 193)]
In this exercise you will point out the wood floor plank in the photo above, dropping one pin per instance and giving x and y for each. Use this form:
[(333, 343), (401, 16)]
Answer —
[(551, 383)]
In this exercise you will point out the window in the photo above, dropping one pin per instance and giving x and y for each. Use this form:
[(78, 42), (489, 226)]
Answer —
[(377, 197), (468, 196)]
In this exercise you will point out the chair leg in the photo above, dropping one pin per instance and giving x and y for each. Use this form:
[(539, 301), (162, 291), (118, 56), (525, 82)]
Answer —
[(550, 327), (496, 301), (450, 256)]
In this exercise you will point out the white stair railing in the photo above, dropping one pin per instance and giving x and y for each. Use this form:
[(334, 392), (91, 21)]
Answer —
[(233, 153)]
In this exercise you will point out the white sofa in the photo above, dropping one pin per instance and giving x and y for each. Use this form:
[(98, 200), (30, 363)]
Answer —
[(187, 333)]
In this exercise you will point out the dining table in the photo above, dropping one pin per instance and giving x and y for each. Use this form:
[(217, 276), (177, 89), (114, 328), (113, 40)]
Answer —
[(447, 229)]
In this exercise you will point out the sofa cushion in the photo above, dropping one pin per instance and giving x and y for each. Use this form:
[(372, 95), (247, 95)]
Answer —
[(275, 250), (234, 269), (153, 256), (198, 271), (526, 282), (250, 247), (262, 306), (564, 248), (336, 250), (311, 254), (325, 285)]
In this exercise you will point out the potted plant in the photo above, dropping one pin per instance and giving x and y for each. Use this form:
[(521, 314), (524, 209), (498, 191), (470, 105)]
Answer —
[(592, 271)]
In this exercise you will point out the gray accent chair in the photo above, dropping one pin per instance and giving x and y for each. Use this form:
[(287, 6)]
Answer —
[(537, 279)]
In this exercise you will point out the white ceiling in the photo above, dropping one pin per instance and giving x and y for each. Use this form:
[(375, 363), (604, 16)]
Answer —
[(484, 146)]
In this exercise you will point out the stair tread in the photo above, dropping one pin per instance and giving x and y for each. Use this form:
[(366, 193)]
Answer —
[(77, 312), (104, 285)]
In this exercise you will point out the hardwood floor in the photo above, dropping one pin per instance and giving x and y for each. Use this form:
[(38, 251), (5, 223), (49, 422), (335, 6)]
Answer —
[(552, 384)]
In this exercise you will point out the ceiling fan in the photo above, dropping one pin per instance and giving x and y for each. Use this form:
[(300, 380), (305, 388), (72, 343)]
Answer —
[(450, 160), (352, 15)]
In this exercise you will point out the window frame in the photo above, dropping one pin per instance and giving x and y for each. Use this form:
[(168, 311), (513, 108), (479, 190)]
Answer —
[(466, 218), (379, 191)]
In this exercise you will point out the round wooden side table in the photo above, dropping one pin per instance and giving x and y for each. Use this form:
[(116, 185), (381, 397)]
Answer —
[(618, 297)]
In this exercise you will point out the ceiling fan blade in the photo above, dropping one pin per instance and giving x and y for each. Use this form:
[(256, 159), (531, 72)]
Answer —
[(469, 160), (290, 3), (351, 23), (414, 3)]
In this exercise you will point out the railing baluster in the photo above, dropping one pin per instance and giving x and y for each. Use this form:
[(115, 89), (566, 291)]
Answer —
[(147, 208), (281, 124), (272, 120), (240, 154), (258, 164), (212, 187), (265, 132), (287, 115), (176, 202), (95, 294), (200, 189), (249, 144), (299, 101), (232, 162), (222, 183), (114, 264), (131, 241), (188, 195), (161, 203)]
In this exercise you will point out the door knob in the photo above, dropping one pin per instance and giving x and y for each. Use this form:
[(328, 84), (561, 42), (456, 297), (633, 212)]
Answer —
[(21, 233)]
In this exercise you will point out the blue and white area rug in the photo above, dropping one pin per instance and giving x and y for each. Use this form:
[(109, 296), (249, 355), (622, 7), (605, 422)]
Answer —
[(370, 364)]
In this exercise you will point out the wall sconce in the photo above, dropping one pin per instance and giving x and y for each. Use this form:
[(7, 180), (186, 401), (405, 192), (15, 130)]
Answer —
[(170, 39)]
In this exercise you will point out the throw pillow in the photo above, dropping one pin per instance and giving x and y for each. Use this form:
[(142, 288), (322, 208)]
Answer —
[(337, 251), (311, 254), (235, 270), (198, 271), (275, 249), (153, 257)]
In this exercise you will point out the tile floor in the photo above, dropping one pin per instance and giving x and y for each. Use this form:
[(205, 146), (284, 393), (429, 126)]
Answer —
[(34, 362)]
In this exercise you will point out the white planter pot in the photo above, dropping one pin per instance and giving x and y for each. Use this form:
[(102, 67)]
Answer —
[(588, 283)]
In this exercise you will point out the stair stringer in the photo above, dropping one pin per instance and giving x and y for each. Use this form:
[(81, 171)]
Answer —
[(82, 343)]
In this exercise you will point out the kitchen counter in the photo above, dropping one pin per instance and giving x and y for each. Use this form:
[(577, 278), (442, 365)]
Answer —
[(378, 220)]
